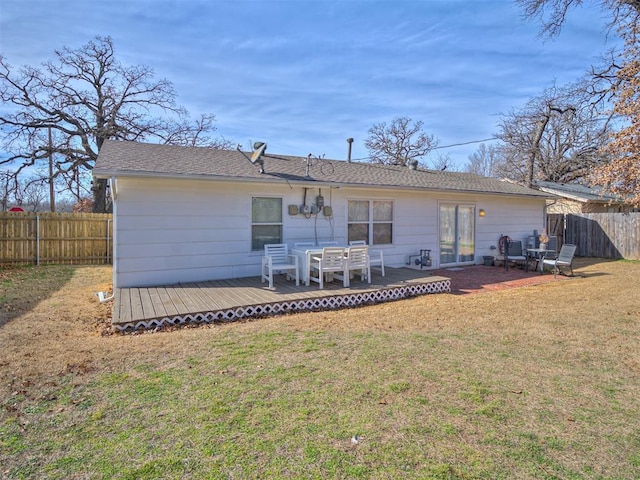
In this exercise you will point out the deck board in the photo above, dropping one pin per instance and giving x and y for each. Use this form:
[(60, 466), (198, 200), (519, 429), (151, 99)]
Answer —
[(166, 298), (148, 307), (136, 303), (125, 306), (199, 299), (226, 299), (208, 295), (155, 298)]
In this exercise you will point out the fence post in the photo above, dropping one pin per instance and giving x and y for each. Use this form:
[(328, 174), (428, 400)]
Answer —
[(37, 239)]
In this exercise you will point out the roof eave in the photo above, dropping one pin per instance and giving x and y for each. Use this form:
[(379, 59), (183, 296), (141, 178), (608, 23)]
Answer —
[(105, 174)]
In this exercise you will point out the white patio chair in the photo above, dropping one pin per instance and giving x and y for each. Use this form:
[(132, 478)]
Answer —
[(328, 243), (304, 244), (332, 261), (358, 261), (564, 259), (376, 257), (277, 259)]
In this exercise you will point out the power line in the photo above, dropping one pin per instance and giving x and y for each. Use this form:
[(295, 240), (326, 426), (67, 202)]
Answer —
[(464, 143), (443, 146)]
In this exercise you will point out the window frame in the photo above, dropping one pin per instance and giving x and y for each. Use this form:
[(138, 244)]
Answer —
[(253, 224), (371, 222)]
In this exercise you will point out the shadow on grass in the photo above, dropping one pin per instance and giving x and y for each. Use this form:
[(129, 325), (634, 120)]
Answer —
[(22, 288)]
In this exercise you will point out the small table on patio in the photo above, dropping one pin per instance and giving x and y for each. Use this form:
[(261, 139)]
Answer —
[(538, 255)]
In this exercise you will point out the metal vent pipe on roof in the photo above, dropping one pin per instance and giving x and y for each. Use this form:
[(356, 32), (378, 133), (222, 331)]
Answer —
[(349, 141)]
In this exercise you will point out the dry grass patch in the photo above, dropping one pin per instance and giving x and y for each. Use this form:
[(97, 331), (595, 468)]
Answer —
[(534, 382)]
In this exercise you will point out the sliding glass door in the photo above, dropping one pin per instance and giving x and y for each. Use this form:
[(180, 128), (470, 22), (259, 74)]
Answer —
[(457, 233)]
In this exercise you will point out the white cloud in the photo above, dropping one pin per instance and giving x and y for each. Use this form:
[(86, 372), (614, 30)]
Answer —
[(306, 75)]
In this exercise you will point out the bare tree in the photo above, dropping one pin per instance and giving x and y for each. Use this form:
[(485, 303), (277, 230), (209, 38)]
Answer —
[(618, 81), (444, 162), (28, 193), (555, 137), (65, 204), (552, 14), (399, 143), (485, 161), (8, 187), (86, 96), (32, 194)]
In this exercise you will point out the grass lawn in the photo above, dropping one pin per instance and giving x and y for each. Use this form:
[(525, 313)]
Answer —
[(528, 383)]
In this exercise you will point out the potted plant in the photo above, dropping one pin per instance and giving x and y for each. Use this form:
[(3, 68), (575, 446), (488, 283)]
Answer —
[(544, 239)]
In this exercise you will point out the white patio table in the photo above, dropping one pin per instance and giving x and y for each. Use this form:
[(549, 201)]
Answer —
[(304, 255)]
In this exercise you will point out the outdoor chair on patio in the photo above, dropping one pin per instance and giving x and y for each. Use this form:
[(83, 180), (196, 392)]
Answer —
[(333, 262), (304, 244), (277, 259), (552, 245), (328, 243), (376, 257), (513, 253), (564, 259), (358, 261)]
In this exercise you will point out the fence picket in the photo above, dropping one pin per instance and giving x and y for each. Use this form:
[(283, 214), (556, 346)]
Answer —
[(605, 235), (68, 238)]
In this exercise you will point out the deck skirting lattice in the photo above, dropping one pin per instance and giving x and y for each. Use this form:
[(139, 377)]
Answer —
[(290, 306)]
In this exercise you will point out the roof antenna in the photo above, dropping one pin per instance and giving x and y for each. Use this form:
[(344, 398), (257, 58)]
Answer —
[(256, 157)]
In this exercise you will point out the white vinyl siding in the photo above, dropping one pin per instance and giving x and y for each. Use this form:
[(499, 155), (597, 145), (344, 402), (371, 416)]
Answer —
[(178, 230)]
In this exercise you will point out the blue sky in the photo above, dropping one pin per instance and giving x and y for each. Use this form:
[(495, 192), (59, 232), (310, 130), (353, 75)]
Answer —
[(303, 75)]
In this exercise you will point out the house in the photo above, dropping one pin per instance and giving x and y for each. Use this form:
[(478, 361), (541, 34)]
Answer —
[(185, 214), (576, 198)]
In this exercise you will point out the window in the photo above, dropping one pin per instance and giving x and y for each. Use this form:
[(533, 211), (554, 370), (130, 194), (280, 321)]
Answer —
[(266, 221), (370, 220), (457, 227)]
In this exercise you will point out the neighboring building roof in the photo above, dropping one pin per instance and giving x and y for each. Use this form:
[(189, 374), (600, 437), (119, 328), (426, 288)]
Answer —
[(580, 193), (118, 158)]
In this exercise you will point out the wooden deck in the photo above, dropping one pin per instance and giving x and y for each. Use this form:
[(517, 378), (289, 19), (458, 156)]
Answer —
[(228, 300)]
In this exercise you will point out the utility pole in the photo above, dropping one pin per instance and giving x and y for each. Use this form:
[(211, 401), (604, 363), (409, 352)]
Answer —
[(52, 192)]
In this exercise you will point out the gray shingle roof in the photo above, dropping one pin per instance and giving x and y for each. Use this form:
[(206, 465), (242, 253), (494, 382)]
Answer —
[(118, 158), (578, 192)]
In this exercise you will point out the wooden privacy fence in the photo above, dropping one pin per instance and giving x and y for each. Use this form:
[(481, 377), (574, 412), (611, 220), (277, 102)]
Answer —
[(47, 238), (605, 235)]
